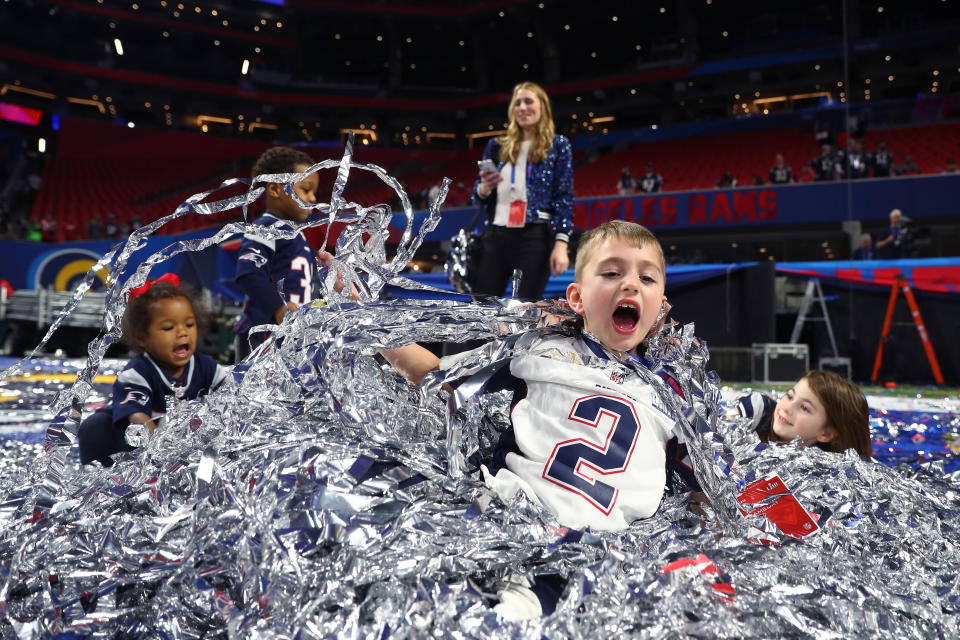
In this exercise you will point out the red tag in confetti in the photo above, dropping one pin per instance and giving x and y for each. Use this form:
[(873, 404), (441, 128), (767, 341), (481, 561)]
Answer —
[(772, 499)]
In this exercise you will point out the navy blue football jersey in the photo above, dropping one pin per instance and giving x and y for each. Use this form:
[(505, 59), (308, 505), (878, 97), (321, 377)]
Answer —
[(651, 182), (881, 160), (143, 386), (270, 272), (781, 175), (824, 167)]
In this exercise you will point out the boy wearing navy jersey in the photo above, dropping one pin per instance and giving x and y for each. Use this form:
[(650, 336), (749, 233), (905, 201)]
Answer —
[(275, 275)]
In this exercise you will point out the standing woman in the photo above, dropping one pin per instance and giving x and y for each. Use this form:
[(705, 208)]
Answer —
[(528, 200)]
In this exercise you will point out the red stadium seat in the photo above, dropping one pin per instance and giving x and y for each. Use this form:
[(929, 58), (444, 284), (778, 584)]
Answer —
[(102, 168)]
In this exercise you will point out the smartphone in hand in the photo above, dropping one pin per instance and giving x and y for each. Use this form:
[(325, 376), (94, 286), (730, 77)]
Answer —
[(487, 164)]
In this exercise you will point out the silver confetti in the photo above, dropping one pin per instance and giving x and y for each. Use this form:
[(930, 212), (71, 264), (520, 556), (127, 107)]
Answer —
[(317, 494)]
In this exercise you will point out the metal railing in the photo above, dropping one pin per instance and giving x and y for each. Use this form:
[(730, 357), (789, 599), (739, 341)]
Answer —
[(43, 307)]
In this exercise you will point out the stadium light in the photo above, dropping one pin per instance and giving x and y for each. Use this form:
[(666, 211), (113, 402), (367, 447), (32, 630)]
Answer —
[(118, 46), (42, 145), (246, 67)]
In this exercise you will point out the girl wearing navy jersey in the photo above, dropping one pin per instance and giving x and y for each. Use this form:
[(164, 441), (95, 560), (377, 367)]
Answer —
[(161, 324)]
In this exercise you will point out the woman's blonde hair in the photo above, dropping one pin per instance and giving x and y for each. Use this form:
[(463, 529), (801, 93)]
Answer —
[(542, 139)]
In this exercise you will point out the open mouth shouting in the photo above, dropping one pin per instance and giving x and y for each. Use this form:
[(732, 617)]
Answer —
[(182, 351), (626, 317)]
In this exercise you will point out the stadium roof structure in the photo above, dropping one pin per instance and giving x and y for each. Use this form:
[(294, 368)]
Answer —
[(441, 72)]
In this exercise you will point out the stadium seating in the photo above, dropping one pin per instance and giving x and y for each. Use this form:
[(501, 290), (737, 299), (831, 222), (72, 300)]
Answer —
[(102, 168)]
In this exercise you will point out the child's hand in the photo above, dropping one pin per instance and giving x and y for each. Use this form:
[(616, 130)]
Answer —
[(282, 312), (141, 418), (547, 306), (326, 258)]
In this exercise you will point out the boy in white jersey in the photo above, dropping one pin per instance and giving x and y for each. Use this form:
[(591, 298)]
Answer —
[(589, 427)]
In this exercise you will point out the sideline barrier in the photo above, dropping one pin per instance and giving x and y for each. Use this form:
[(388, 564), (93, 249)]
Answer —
[(936, 275), (62, 266), (678, 276)]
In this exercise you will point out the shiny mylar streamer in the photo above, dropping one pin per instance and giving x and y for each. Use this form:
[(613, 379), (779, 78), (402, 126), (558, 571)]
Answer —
[(317, 494)]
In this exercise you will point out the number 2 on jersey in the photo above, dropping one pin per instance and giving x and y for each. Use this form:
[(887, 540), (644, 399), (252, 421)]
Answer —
[(572, 460)]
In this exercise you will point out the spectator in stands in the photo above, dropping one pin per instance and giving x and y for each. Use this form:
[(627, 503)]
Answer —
[(825, 165), (780, 172), (881, 160), (34, 232), (528, 199), (908, 166), (433, 193), (134, 223), (112, 228), (726, 181), (69, 230), (651, 182), (48, 227), (951, 167), (94, 228), (17, 227), (627, 184), (865, 250), (457, 196), (889, 247), (852, 161)]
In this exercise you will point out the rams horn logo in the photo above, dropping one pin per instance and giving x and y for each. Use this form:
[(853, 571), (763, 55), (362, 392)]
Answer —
[(64, 269)]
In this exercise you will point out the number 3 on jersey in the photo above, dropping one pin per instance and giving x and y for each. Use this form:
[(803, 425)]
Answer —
[(302, 265), (575, 464)]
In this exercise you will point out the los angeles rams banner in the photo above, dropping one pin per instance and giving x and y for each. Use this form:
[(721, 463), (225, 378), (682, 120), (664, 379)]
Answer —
[(919, 197)]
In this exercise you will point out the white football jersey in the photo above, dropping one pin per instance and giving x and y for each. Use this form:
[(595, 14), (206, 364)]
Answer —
[(590, 436)]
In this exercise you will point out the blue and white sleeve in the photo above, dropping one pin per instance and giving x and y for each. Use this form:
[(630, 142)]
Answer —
[(253, 272), (131, 394)]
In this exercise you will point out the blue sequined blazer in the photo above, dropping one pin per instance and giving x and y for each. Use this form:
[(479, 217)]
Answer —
[(549, 187)]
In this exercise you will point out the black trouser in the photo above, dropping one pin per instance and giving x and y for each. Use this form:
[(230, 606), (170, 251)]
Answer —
[(98, 439), (505, 249)]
